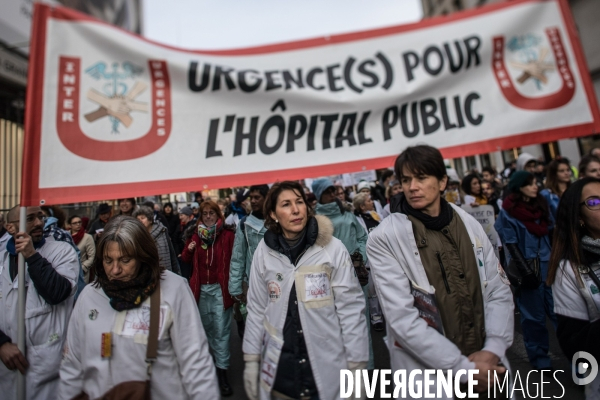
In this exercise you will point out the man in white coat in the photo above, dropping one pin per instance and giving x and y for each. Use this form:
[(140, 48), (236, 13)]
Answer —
[(430, 250), (52, 270)]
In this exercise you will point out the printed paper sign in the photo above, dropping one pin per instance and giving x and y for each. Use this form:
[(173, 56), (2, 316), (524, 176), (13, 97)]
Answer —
[(106, 106), (316, 286), (485, 216)]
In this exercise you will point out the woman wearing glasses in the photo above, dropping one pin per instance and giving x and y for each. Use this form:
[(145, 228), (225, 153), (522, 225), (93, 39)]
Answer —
[(209, 250), (574, 271), (524, 226), (85, 244)]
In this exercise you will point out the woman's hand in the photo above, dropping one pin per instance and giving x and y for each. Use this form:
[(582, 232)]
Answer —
[(474, 204), (192, 246)]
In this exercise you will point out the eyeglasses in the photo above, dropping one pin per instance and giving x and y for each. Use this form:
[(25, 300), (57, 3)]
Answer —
[(593, 203), (31, 218)]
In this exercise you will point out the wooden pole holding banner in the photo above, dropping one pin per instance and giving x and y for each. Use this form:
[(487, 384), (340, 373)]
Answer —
[(21, 307)]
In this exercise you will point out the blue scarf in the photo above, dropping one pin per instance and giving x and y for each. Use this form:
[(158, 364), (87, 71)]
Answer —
[(11, 247), (238, 209)]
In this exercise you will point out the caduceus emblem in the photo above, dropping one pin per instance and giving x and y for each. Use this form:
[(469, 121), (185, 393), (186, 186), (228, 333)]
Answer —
[(531, 62), (118, 100)]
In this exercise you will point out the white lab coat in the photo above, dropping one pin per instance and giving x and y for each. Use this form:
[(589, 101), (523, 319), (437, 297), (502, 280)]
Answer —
[(574, 298), (183, 368), (333, 321), (3, 241), (395, 261), (45, 325)]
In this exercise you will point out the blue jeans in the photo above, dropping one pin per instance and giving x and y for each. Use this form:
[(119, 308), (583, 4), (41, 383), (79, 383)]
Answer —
[(535, 305)]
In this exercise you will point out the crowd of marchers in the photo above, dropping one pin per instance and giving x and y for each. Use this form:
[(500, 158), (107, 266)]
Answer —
[(139, 301)]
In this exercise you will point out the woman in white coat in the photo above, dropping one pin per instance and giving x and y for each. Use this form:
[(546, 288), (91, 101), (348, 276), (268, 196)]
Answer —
[(574, 273), (305, 305), (114, 314)]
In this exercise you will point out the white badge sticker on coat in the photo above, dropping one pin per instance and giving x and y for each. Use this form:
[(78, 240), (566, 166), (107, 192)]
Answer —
[(592, 288), (317, 286), (270, 358), (137, 321)]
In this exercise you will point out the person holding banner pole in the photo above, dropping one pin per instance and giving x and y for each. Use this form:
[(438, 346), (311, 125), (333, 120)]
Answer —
[(49, 276)]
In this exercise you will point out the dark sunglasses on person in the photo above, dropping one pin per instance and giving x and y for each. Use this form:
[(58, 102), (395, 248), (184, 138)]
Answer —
[(593, 203)]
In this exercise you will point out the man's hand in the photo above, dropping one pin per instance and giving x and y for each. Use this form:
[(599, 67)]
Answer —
[(24, 244), (241, 298), (482, 376), (484, 356), (12, 357)]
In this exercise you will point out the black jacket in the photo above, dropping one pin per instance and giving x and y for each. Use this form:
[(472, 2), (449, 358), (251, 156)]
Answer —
[(378, 193), (172, 224)]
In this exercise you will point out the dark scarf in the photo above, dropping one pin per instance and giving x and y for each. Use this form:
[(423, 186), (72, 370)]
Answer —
[(304, 240), (238, 209), (591, 250), (78, 236), (530, 215), (258, 214), (399, 204), (12, 251), (367, 217), (129, 294)]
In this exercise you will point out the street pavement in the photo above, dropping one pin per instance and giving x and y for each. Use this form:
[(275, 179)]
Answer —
[(516, 354)]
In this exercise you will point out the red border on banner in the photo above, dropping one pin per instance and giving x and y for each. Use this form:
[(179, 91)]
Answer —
[(31, 194)]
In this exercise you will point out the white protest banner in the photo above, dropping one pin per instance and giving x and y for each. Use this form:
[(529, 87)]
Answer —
[(110, 114), (486, 218)]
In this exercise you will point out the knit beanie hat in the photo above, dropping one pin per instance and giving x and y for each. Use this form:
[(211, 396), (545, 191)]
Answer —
[(242, 195), (517, 180), (363, 185), (319, 186), (186, 211)]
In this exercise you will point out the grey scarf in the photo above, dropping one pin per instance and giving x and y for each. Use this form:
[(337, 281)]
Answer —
[(592, 246)]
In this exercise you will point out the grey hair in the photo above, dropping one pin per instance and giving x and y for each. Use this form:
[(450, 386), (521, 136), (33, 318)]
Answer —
[(359, 200), (134, 241), (145, 211)]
